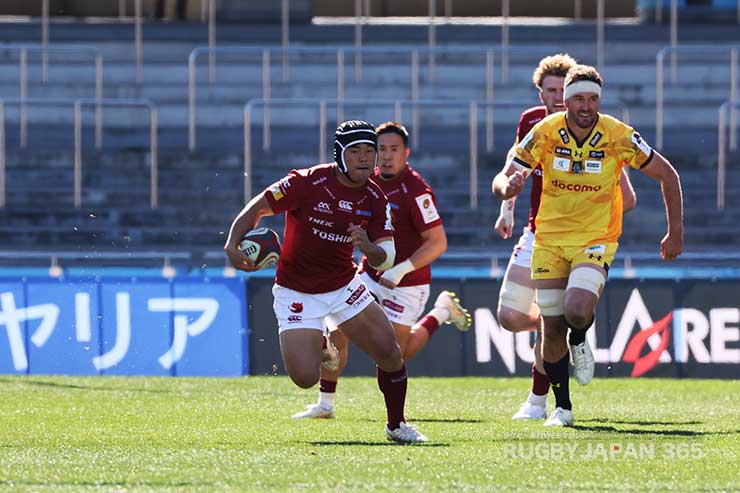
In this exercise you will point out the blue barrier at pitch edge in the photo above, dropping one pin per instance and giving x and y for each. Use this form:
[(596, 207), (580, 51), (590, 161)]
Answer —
[(124, 326), (445, 272), (193, 325)]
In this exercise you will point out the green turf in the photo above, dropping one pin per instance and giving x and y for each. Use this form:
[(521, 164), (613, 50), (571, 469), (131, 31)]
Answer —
[(178, 434)]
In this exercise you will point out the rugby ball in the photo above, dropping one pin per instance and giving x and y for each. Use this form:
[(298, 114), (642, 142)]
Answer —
[(261, 246)]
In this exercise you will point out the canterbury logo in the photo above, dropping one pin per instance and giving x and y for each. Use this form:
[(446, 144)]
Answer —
[(345, 205)]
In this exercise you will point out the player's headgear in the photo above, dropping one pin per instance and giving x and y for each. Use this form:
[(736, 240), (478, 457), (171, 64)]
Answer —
[(351, 133)]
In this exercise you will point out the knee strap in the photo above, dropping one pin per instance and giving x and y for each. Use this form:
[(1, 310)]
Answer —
[(550, 302), (516, 296), (586, 278)]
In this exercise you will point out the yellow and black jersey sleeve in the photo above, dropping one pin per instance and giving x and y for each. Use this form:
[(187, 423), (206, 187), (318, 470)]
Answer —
[(631, 148), (532, 148)]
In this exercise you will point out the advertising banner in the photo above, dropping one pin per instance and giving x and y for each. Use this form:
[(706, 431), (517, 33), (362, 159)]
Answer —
[(195, 326), (124, 326), (652, 328)]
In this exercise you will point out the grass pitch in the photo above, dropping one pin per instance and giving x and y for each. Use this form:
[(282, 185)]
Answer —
[(179, 434)]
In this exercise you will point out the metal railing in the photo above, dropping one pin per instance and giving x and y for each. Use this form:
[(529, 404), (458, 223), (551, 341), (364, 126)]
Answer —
[(411, 54), (362, 16), (22, 103), (731, 106), (138, 32), (23, 51), (732, 50), (153, 143), (77, 105), (396, 106)]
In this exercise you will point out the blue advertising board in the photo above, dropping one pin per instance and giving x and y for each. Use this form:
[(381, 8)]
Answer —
[(124, 326)]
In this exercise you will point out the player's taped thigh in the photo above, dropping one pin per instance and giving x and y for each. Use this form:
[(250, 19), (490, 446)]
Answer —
[(516, 296), (551, 302), (587, 278)]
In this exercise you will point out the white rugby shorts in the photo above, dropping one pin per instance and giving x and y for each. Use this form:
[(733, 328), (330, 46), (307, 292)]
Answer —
[(522, 253), (403, 305), (297, 310)]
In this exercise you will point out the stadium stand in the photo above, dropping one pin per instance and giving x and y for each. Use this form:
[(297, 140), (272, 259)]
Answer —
[(198, 191)]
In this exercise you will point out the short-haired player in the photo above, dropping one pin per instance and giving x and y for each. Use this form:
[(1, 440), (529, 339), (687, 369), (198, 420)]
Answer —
[(402, 290), (329, 210)]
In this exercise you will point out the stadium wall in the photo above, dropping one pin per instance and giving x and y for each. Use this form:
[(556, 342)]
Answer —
[(208, 325), (474, 8), (692, 327), (301, 10)]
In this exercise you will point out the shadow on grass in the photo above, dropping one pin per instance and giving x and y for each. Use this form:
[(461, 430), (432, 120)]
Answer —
[(435, 420), (640, 423), (667, 433), (365, 443), (43, 383), (444, 420)]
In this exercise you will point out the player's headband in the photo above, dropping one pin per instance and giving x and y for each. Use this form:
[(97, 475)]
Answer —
[(580, 87)]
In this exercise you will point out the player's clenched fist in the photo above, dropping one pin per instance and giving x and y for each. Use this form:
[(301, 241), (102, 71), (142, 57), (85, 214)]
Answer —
[(359, 237), (515, 184), (671, 246)]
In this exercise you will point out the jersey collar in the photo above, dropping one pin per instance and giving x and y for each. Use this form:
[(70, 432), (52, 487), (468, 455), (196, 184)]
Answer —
[(580, 143)]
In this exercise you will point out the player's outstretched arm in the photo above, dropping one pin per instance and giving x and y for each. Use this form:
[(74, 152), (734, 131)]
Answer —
[(629, 197), (433, 246), (660, 169), (247, 219)]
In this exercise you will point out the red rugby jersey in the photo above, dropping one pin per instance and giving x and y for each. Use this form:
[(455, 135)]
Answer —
[(529, 119), (317, 249), (414, 210)]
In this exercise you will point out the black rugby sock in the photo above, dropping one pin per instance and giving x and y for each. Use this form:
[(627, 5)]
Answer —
[(578, 335), (559, 375)]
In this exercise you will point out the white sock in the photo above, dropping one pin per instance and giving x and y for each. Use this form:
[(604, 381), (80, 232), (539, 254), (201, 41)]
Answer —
[(537, 400), (441, 313), (326, 399)]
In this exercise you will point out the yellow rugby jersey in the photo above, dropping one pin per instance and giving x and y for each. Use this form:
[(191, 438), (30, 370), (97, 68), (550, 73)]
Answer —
[(581, 203)]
